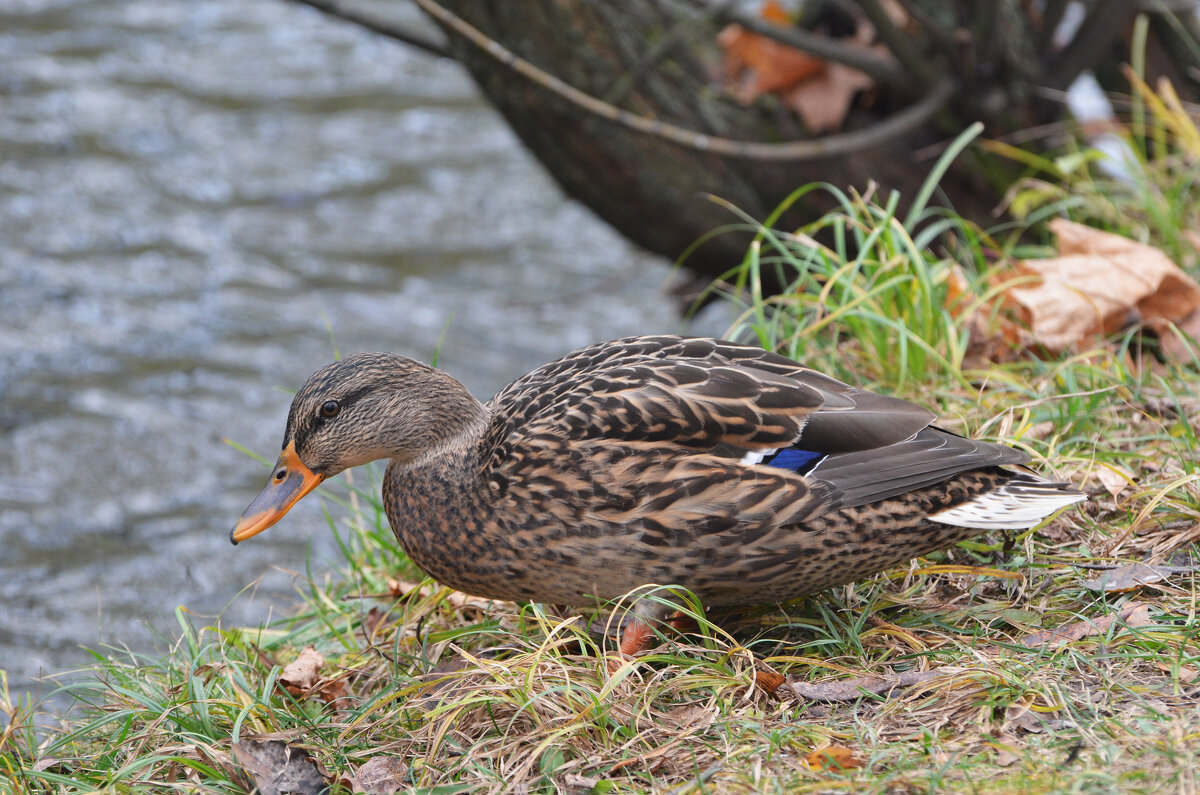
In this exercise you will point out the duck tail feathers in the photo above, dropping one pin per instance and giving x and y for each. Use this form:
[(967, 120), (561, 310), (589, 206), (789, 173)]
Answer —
[(1021, 503)]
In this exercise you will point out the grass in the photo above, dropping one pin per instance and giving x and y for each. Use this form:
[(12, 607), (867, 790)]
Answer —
[(471, 696)]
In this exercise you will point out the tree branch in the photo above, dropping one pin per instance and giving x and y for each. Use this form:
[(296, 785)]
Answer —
[(884, 70), (411, 37), (874, 135), (898, 42)]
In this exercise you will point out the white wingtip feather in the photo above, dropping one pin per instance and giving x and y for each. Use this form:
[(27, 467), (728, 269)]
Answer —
[(1019, 505)]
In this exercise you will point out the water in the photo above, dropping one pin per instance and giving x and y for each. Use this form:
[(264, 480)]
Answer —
[(190, 193)]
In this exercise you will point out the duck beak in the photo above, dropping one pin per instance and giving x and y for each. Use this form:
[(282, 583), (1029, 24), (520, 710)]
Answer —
[(290, 480)]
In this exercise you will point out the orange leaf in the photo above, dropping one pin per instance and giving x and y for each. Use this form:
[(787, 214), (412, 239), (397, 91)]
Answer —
[(833, 757), (758, 65)]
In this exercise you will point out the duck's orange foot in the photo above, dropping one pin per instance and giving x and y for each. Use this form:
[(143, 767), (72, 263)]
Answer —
[(635, 639), (637, 635)]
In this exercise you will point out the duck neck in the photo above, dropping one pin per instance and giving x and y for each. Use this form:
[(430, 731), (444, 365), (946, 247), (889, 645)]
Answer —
[(451, 419)]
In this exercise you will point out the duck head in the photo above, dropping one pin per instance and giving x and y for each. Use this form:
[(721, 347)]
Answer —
[(359, 409)]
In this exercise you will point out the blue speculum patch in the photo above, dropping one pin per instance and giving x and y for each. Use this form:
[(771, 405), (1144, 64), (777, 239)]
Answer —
[(795, 459)]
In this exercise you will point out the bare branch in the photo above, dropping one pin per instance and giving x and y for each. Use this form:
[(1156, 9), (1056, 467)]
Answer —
[(831, 146), (884, 70), (411, 37), (899, 42)]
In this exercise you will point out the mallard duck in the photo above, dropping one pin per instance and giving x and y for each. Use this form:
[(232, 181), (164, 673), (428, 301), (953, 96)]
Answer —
[(732, 471)]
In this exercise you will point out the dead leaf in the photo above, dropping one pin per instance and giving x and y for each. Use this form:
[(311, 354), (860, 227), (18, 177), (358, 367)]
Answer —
[(302, 674), (854, 689), (380, 775), (400, 588), (758, 65), (991, 336), (1193, 237), (691, 716), (1026, 719), (334, 691), (1175, 347), (1114, 479), (1099, 283), (1134, 614), (833, 757), (823, 101), (278, 767), (302, 677), (49, 763), (1187, 673), (1131, 577)]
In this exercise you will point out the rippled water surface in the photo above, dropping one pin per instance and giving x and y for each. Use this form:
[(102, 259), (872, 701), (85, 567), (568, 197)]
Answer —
[(190, 192)]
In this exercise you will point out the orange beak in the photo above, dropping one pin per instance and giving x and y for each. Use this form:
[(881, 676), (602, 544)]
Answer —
[(290, 480)]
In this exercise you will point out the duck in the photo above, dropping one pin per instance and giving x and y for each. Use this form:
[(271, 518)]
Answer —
[(731, 471)]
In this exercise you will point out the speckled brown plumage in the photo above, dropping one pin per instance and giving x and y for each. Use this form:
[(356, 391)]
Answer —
[(635, 462)]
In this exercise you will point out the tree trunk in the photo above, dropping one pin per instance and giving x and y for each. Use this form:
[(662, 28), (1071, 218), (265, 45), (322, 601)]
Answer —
[(659, 60)]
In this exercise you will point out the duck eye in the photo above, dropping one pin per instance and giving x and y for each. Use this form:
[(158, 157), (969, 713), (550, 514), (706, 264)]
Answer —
[(330, 408)]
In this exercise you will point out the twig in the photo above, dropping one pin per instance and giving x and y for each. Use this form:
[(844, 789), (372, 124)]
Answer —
[(876, 134), (885, 70), (660, 50), (899, 42), (411, 37)]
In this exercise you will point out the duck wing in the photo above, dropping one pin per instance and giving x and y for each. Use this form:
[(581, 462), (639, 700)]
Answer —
[(723, 400), (931, 456), (698, 393)]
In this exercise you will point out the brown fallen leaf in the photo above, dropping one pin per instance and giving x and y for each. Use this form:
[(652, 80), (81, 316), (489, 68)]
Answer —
[(991, 335), (1131, 577), (334, 691), (757, 65), (302, 674), (833, 757), (380, 775), (1187, 673), (399, 588), (690, 716), (823, 101), (469, 605), (279, 768), (302, 677), (1114, 479), (1134, 614), (1006, 746), (1023, 718), (854, 689), (1176, 347), (1099, 283)]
